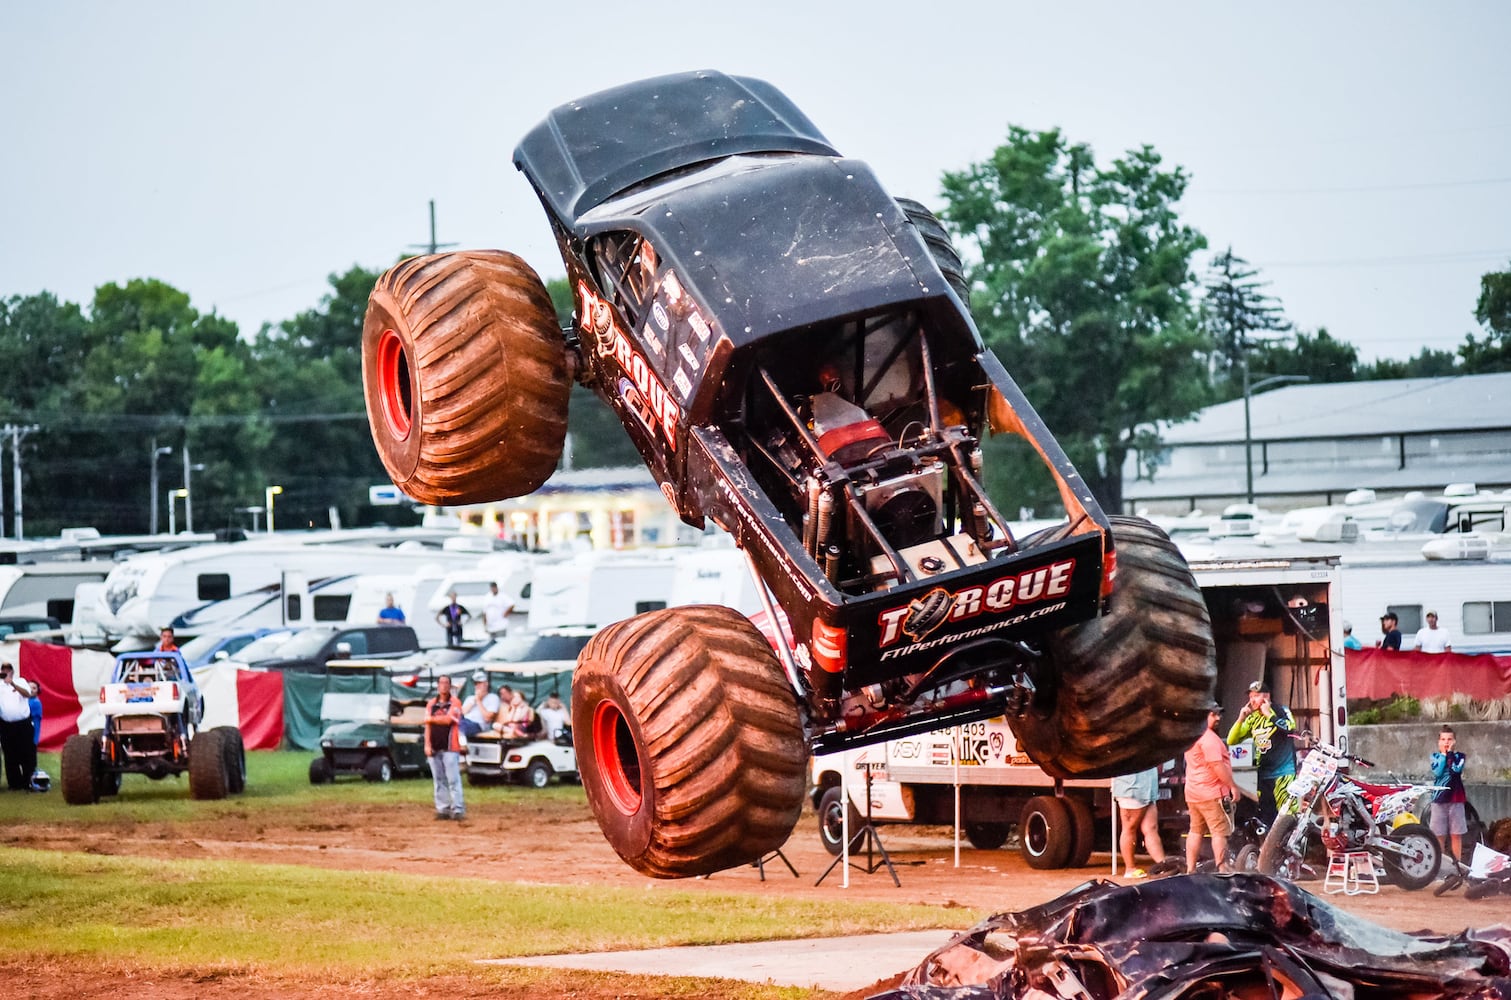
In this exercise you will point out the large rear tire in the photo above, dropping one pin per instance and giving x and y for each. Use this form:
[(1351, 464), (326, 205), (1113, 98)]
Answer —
[(1129, 690), (1417, 869), (1046, 832), (688, 741), (80, 764), (465, 377), (209, 778)]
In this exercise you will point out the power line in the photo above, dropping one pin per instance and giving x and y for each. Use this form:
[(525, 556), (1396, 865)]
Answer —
[(432, 246)]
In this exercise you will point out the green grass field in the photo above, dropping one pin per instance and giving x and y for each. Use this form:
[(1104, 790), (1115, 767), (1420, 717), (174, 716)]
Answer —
[(169, 913)]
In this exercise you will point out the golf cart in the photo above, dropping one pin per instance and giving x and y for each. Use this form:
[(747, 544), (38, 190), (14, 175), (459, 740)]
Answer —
[(365, 727)]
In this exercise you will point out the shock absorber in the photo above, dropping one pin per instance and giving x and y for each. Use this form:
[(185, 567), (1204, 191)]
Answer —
[(831, 563), (825, 519), (810, 522)]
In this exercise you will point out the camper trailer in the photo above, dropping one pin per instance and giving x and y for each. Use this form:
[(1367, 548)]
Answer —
[(599, 588), (258, 583), (46, 589)]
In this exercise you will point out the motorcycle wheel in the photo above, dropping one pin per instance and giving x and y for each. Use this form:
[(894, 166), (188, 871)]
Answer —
[(1246, 860), (1275, 852), (1419, 867)]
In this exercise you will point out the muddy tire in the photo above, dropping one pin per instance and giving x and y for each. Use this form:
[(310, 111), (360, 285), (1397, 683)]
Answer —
[(987, 836), (80, 766), (1275, 856), (941, 247), (236, 759), (1129, 690), (688, 741), (464, 373), (209, 778), (1417, 870), (1083, 828), (1046, 831)]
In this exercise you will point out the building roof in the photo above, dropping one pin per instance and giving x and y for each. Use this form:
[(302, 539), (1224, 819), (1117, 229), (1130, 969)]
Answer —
[(1356, 409)]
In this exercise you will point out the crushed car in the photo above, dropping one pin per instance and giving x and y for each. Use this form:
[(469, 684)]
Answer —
[(791, 350), (1203, 936)]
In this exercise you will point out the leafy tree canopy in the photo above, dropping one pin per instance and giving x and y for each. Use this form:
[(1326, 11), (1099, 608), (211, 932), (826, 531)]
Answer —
[(1084, 288)]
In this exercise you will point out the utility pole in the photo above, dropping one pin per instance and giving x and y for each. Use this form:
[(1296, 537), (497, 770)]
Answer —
[(188, 497), (157, 453), (432, 246), (17, 434)]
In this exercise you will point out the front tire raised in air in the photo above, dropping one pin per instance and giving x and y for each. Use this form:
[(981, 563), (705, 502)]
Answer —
[(465, 378), (688, 741)]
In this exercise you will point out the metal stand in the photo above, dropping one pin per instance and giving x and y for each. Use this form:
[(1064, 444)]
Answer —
[(873, 847), (776, 855)]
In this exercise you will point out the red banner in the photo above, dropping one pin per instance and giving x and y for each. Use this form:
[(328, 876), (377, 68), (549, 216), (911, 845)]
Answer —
[(1379, 673), (52, 668), (260, 699)]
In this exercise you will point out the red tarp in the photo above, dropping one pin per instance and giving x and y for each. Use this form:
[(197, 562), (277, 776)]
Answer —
[(1379, 673), (259, 696), (52, 668)]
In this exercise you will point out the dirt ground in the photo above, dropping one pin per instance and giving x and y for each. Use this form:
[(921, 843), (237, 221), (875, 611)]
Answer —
[(556, 841)]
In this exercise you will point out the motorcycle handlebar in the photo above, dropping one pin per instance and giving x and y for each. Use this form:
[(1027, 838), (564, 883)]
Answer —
[(1305, 736)]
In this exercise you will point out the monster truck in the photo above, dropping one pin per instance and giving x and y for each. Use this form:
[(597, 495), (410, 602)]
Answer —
[(790, 349), (152, 709)]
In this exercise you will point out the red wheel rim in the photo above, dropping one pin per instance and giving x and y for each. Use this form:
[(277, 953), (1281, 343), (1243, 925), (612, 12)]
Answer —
[(394, 386), (618, 760)]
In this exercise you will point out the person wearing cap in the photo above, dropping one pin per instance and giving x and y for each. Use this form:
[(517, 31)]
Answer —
[(1390, 636), (481, 706), (1432, 639), (1209, 780), (1350, 641), (1271, 727)]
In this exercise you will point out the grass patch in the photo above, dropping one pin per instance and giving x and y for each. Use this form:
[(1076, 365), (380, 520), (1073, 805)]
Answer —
[(170, 912)]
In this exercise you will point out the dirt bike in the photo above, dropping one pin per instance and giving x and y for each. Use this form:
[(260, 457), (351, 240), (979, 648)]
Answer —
[(1328, 810)]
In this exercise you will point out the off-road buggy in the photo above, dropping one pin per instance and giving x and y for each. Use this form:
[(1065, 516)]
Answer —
[(153, 709), (790, 349)]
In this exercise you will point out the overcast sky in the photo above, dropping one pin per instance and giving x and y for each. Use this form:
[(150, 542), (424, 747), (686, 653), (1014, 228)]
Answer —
[(1358, 153)]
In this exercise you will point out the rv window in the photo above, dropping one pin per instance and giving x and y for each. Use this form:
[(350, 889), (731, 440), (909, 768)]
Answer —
[(214, 587), (293, 608), (641, 607), (61, 609), (1484, 617), (1408, 617), (332, 607)]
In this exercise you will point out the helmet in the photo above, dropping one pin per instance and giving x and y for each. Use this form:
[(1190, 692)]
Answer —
[(40, 782)]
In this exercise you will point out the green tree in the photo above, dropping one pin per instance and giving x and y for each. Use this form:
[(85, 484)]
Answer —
[(1428, 363), (308, 374), (1317, 356), (1084, 289), (1493, 310), (1236, 308)]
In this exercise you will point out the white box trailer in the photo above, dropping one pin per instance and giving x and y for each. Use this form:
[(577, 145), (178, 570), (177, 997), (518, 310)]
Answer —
[(1272, 620)]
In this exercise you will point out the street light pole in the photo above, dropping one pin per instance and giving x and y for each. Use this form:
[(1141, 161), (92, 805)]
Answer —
[(1248, 432), (272, 491), (157, 453), (172, 496), (188, 496)]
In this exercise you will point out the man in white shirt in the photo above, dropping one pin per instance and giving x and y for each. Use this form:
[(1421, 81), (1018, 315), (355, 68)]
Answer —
[(1432, 639), (16, 744), (496, 610), (480, 708)]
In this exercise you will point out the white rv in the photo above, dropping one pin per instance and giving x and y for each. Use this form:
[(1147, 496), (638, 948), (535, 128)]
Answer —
[(599, 588), (46, 589), (264, 583)]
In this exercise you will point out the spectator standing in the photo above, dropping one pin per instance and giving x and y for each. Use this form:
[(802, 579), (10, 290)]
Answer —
[(496, 609), (1270, 726), (1390, 635), (481, 706), (1447, 815), (1432, 639), (451, 618), (1350, 641), (16, 744), (166, 643), (553, 715), (443, 746), (1137, 795), (1209, 780), (389, 613)]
